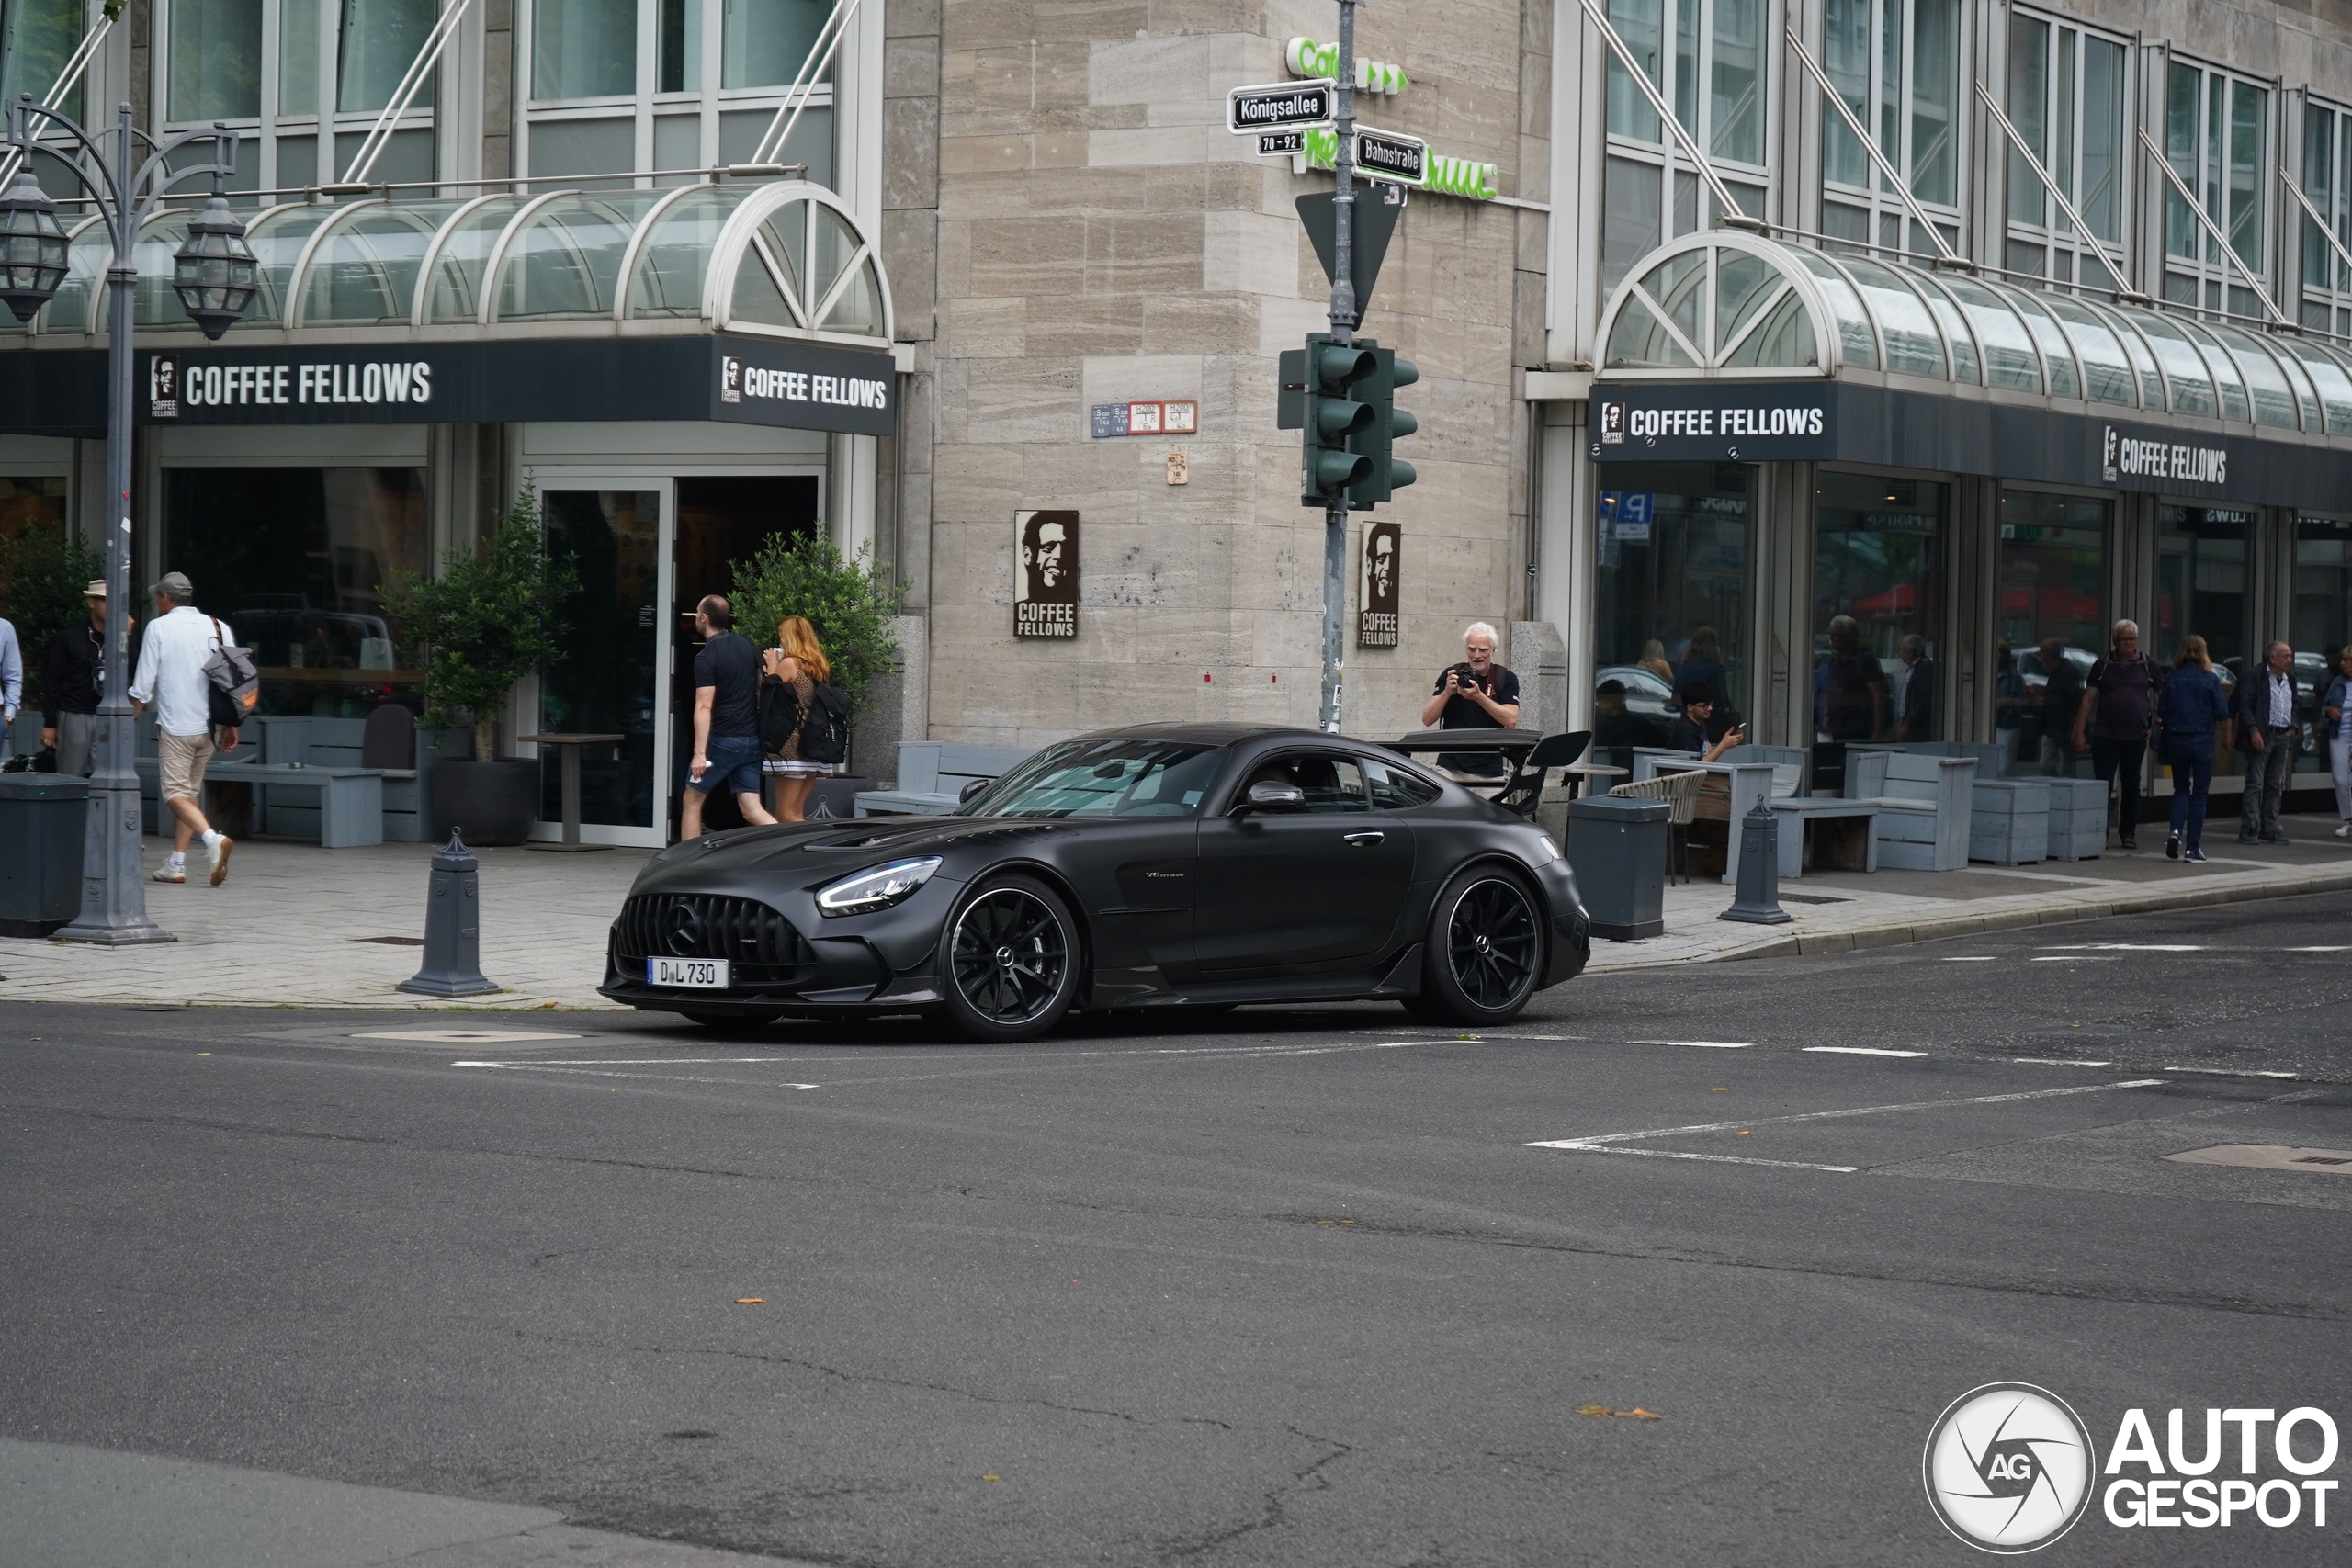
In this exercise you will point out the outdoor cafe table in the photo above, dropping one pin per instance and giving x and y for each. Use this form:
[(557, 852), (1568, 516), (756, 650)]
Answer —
[(571, 745)]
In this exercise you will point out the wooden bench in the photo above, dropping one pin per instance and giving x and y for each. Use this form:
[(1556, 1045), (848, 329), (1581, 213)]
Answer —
[(349, 809), (1822, 833), (933, 774), (2077, 818), (1925, 803), (2008, 821)]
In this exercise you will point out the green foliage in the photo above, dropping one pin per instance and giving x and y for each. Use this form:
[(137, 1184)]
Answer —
[(490, 620), (42, 573), (850, 602)]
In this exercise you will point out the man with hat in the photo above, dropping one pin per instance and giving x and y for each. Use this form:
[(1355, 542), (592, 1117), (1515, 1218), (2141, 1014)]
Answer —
[(71, 683), (180, 641)]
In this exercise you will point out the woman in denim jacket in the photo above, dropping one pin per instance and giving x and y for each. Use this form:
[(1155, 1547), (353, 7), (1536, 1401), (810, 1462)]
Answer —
[(2191, 709)]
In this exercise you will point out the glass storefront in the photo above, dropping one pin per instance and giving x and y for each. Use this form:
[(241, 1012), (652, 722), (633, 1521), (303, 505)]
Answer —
[(2322, 622), (2050, 622), (1877, 603), (299, 562), (2202, 578), (1676, 543)]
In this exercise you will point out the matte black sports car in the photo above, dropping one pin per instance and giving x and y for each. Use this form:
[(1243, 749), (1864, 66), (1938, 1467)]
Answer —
[(1155, 866)]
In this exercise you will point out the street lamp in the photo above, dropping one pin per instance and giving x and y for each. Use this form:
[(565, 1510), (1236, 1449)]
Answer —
[(214, 275)]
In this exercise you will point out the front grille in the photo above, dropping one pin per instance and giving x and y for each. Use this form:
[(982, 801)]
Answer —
[(761, 943)]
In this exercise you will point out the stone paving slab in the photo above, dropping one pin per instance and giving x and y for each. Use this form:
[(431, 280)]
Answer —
[(302, 927)]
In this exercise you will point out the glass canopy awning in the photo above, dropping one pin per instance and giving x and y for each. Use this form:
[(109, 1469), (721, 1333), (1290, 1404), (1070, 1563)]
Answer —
[(1728, 306), (785, 260)]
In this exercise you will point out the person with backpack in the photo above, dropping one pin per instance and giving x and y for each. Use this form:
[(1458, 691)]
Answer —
[(2191, 709), (727, 725), (2119, 709), (181, 642), (804, 719)]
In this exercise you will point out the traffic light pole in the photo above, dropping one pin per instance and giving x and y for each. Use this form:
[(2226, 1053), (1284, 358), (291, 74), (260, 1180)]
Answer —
[(1344, 317)]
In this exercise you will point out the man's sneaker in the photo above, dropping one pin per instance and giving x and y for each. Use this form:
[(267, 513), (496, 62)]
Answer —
[(2197, 856), (2275, 839), (2172, 847), (169, 873), (2345, 831), (2246, 837), (221, 848), (2129, 843)]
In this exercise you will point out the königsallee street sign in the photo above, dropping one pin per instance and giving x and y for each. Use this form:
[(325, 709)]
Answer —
[(1279, 106)]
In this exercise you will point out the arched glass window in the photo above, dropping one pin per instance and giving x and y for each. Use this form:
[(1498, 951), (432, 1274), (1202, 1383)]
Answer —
[(363, 270), (564, 260), (2185, 369), (1914, 346)]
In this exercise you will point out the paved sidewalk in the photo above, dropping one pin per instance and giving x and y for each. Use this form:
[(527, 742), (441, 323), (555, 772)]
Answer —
[(1838, 911), (297, 926)]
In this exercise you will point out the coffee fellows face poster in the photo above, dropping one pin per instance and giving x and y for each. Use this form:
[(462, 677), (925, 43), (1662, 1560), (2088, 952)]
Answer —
[(1044, 585), (1384, 550)]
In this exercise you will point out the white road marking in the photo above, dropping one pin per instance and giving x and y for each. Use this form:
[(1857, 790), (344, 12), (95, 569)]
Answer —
[(2229, 1073), (2317, 950), (1976, 958), (1601, 1143), (2125, 947), (2075, 958), (1702, 1045), (1862, 1050), (587, 1073), (1716, 1159), (2057, 1062), (465, 1036)]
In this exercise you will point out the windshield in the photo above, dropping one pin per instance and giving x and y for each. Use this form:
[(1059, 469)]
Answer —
[(1115, 776)]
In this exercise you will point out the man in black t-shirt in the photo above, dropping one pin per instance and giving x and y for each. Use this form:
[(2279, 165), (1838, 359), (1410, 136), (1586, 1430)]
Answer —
[(726, 720), (1477, 693)]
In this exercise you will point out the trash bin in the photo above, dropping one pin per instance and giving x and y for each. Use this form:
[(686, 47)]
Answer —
[(1617, 848), (43, 819)]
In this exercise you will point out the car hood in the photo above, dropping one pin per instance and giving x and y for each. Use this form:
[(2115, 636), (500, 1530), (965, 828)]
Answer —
[(827, 848)]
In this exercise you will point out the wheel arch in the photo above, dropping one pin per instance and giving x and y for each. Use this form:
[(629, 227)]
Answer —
[(1056, 878)]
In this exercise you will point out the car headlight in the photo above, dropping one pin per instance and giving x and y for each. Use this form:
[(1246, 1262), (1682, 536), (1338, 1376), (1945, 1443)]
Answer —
[(876, 889)]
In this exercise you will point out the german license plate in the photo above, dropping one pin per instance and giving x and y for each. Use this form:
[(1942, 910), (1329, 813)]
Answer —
[(697, 974)]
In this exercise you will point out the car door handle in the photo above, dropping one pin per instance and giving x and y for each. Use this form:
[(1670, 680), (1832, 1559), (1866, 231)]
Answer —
[(1364, 836)]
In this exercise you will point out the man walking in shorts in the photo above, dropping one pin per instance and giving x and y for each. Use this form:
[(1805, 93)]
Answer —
[(179, 642), (726, 720)]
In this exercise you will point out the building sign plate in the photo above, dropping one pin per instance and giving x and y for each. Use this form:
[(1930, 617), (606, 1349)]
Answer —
[(1280, 105), (1045, 582), (1738, 422), (1380, 589)]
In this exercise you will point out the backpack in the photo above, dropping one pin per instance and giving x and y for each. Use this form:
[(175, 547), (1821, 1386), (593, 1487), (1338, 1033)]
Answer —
[(779, 716), (231, 685), (824, 728)]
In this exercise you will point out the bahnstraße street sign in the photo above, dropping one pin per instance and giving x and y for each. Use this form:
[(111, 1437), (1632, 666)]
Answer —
[(1280, 105), (1387, 155)]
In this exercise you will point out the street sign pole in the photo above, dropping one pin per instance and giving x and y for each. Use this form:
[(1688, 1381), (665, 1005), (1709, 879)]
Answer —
[(1344, 317)]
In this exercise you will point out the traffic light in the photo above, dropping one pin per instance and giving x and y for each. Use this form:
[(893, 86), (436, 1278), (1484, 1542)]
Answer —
[(1378, 391), (1331, 417)]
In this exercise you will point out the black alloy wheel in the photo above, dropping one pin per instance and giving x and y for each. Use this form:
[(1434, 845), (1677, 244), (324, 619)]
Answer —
[(1011, 959), (1486, 949)]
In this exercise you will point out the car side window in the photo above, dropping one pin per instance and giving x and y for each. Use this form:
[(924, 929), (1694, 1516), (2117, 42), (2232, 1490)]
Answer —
[(1330, 784), (1394, 789)]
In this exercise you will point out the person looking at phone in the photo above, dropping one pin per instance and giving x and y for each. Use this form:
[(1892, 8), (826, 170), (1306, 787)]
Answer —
[(1477, 694), (1689, 733)]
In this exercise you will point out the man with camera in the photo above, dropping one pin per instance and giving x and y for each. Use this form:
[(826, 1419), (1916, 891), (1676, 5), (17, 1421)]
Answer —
[(1477, 693)]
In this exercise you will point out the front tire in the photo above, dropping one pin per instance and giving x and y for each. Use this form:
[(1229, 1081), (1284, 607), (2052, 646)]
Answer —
[(1010, 957), (1485, 951)]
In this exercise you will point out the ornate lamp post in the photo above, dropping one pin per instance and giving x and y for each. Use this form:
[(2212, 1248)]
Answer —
[(214, 275)]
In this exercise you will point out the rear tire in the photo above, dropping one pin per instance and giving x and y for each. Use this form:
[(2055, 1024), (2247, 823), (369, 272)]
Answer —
[(1008, 958), (1485, 951)]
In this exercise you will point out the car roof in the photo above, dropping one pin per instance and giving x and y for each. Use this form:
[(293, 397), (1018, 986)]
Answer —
[(1215, 734)]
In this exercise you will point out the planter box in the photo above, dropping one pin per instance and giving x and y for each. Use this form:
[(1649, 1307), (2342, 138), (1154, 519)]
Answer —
[(2009, 823), (2077, 818)]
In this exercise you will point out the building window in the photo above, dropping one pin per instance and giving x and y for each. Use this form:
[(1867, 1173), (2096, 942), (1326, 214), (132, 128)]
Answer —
[(2327, 185), (1672, 598), (2201, 582), (1708, 59), (2322, 623), (2067, 98), (380, 40), (2217, 130), (1877, 601), (661, 58), (215, 59), (1897, 64), (37, 38), (2049, 615)]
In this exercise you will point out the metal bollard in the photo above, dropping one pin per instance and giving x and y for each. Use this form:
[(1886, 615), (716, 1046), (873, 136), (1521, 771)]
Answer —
[(452, 927), (1758, 900)]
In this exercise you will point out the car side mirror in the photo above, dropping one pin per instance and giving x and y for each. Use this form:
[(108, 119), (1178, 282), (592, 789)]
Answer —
[(971, 787), (1269, 797)]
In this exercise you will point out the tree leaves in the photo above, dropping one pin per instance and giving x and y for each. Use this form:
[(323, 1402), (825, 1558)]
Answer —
[(850, 602)]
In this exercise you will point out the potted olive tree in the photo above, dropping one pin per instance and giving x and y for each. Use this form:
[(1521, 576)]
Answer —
[(489, 621)]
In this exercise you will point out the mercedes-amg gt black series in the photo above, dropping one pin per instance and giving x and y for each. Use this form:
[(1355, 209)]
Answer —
[(1188, 865)]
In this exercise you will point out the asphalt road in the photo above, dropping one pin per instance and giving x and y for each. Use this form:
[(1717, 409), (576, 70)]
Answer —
[(1290, 1289)]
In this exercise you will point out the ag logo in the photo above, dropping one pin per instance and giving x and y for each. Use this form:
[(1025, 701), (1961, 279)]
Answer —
[(2008, 1467)]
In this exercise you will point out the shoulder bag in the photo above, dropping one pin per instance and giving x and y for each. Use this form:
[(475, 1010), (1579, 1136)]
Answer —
[(231, 685)]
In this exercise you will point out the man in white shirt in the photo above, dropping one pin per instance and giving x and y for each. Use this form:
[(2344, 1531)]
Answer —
[(12, 682), (2268, 734), (179, 642)]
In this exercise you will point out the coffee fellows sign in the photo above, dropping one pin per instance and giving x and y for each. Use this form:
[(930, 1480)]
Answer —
[(1378, 594), (1045, 585)]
